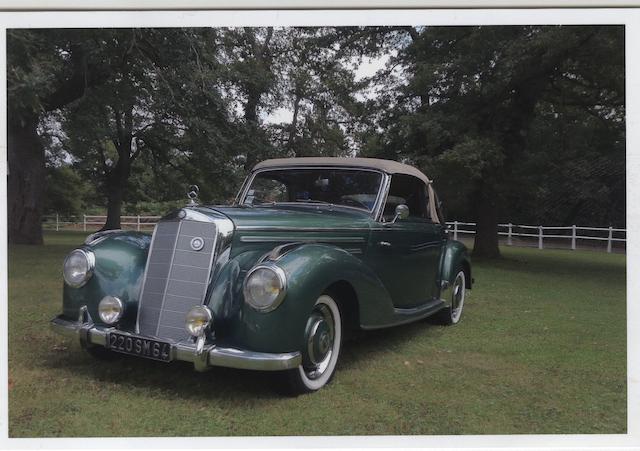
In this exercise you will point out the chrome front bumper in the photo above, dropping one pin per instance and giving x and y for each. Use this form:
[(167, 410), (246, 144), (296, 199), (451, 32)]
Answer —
[(89, 334)]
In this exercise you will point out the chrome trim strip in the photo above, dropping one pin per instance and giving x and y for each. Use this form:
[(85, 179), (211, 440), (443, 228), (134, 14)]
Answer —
[(212, 355), (258, 228), (421, 247), (273, 239), (382, 198)]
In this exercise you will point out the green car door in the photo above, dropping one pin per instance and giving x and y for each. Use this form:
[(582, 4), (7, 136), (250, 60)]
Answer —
[(405, 251)]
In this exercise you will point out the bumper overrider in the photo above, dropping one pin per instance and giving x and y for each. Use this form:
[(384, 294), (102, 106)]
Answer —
[(89, 334)]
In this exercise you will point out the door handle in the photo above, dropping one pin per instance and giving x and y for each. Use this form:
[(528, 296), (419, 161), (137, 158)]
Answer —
[(384, 243)]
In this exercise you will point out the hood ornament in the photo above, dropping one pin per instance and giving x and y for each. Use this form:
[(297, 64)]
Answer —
[(192, 194)]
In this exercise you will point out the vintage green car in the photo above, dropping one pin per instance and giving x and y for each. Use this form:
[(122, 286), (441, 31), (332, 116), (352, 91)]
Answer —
[(310, 249)]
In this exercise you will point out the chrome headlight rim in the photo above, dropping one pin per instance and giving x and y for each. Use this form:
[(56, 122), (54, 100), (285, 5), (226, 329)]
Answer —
[(90, 257), (208, 322), (118, 302), (282, 279)]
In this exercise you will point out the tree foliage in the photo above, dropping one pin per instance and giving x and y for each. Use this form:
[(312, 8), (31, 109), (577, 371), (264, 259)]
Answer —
[(515, 123), (476, 102)]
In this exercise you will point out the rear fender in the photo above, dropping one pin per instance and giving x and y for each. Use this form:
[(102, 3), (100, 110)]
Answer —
[(455, 256)]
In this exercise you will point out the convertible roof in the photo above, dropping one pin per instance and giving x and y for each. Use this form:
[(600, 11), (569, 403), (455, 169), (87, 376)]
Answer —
[(388, 166)]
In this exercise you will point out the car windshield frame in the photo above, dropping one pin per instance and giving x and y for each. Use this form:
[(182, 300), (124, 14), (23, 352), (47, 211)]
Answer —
[(373, 212)]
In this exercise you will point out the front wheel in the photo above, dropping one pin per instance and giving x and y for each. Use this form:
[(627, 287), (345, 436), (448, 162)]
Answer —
[(452, 314), (323, 339)]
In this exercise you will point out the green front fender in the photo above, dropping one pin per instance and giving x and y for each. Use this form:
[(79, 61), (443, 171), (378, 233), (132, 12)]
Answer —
[(310, 270), (120, 263), (454, 256)]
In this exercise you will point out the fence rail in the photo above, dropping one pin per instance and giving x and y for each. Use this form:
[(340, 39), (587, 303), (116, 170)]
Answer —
[(571, 233), (555, 233)]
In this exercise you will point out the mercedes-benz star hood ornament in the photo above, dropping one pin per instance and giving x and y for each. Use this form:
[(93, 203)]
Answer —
[(192, 194)]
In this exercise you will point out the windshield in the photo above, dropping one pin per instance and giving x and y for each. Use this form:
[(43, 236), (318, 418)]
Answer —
[(348, 187)]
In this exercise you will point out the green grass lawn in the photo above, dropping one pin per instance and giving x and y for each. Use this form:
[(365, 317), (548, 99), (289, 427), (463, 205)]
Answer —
[(541, 349)]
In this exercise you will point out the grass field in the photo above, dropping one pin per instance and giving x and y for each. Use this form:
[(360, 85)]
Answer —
[(541, 349)]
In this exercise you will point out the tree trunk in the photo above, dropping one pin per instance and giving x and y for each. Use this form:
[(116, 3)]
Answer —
[(294, 123), (486, 241), (114, 205), (116, 184), (118, 177), (26, 167)]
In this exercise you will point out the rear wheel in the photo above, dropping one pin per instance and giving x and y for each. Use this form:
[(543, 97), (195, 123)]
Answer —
[(452, 314), (323, 339)]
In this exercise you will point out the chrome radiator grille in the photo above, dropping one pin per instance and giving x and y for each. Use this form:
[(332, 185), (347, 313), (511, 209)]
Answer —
[(176, 277)]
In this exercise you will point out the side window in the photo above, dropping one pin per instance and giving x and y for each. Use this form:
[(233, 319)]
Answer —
[(408, 190)]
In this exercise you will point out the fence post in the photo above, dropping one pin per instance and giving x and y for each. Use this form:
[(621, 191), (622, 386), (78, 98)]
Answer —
[(609, 239), (455, 230), (84, 222), (573, 237), (540, 246), (509, 242), (57, 223), (138, 223)]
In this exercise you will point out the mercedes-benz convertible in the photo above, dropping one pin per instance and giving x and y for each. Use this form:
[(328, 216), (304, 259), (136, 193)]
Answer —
[(310, 249)]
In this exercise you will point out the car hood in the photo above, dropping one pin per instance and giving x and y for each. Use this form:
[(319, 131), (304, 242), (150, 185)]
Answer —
[(293, 217)]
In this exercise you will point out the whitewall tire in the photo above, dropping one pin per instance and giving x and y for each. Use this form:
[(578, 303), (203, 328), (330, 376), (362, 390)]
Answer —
[(322, 343)]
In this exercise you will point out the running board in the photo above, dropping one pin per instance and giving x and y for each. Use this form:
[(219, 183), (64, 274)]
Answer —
[(408, 315), (423, 310)]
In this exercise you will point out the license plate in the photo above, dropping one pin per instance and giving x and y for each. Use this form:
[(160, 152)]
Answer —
[(138, 346)]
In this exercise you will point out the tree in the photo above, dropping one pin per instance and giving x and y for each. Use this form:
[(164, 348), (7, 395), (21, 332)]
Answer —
[(250, 53), (472, 95), (46, 70), (319, 87), (162, 95)]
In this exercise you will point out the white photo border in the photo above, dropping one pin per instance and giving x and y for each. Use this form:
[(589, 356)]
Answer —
[(111, 19)]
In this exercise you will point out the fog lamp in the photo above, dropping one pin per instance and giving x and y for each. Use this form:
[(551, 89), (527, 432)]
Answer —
[(110, 309), (198, 320)]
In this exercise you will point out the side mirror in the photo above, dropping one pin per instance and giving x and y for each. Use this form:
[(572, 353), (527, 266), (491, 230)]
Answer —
[(402, 212)]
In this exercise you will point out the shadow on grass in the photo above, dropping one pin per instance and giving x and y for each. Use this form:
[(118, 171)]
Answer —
[(219, 383)]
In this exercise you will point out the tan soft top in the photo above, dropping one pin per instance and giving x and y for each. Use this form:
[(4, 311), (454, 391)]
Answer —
[(388, 166)]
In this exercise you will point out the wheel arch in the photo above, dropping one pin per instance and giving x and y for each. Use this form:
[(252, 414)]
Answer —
[(346, 297), (455, 255)]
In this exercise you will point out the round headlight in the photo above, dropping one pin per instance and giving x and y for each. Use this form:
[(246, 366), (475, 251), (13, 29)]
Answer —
[(198, 320), (264, 287), (110, 309), (78, 267)]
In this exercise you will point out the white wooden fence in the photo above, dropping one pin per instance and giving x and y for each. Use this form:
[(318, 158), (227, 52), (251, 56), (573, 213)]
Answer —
[(551, 233), (572, 234), (94, 222)]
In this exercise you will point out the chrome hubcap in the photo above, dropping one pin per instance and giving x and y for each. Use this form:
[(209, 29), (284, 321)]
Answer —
[(320, 338), (457, 298)]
